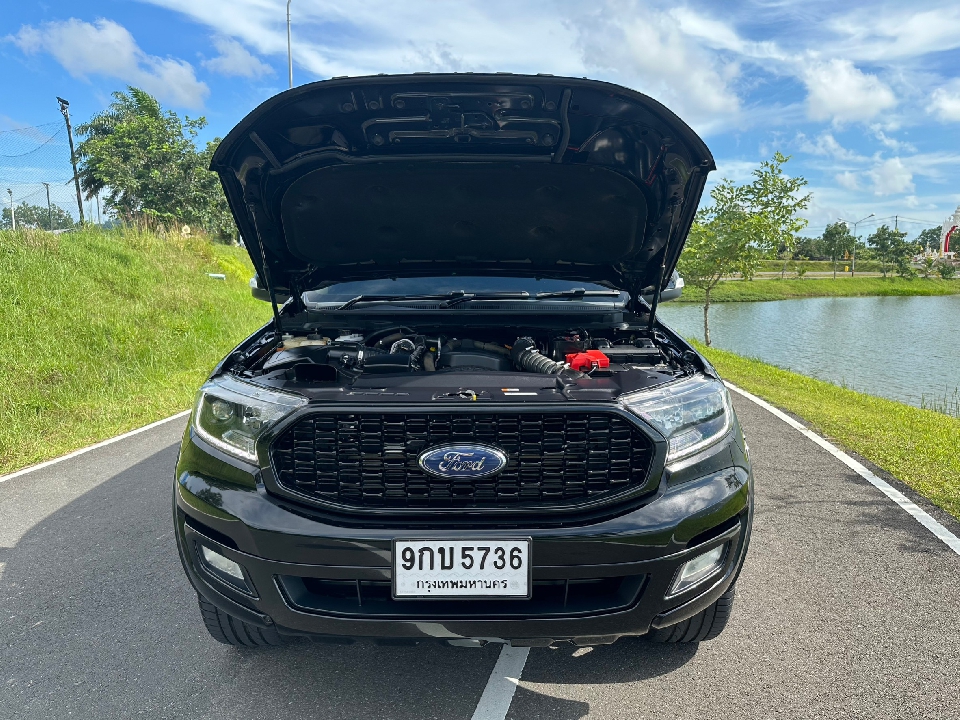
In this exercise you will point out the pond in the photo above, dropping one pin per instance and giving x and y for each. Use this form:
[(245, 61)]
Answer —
[(904, 348)]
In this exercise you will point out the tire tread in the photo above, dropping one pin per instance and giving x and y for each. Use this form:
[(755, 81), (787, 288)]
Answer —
[(705, 625), (229, 630)]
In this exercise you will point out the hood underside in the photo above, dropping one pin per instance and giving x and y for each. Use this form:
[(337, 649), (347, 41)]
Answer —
[(468, 174)]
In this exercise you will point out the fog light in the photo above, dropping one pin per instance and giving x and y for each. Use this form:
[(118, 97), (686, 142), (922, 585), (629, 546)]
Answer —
[(221, 564), (699, 569)]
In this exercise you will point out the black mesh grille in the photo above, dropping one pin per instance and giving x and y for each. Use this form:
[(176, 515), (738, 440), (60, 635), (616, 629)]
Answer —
[(370, 459)]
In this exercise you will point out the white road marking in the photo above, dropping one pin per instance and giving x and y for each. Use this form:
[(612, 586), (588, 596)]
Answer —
[(918, 514), (81, 451), (498, 694)]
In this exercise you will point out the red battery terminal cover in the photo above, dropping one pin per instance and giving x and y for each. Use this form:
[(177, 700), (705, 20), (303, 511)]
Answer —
[(588, 360)]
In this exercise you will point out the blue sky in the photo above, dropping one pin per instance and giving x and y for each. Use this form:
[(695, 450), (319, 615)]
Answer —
[(864, 96)]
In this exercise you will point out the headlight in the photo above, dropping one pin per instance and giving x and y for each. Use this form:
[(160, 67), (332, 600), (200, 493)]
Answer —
[(231, 415), (692, 414)]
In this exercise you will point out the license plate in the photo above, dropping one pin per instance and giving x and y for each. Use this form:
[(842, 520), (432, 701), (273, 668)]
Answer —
[(472, 568)]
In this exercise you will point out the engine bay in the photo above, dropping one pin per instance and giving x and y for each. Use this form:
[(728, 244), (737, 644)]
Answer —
[(574, 361)]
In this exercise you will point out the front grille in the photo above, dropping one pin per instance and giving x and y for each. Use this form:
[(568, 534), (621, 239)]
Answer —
[(364, 460), (549, 598)]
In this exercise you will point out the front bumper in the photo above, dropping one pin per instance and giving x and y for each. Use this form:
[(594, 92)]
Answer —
[(592, 583)]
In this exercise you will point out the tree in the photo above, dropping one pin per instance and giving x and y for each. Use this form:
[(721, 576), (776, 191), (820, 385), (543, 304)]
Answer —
[(929, 239), (37, 216), (126, 107), (146, 162), (889, 246), (718, 241), (216, 216), (774, 197), (903, 253), (837, 240), (142, 157), (928, 267), (809, 248), (945, 270), (742, 225)]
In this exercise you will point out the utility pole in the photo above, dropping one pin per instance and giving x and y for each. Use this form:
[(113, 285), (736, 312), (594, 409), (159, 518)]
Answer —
[(13, 215), (853, 264), (65, 109), (289, 47), (98, 209), (49, 207)]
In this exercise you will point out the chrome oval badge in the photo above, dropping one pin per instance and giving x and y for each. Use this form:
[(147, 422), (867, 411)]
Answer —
[(462, 461)]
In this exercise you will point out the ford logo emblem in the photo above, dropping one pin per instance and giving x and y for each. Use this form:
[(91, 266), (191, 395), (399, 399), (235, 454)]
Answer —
[(463, 461)]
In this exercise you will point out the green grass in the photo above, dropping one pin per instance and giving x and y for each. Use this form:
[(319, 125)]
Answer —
[(843, 286), (108, 331), (919, 447)]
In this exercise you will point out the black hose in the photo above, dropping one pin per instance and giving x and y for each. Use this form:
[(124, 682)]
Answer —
[(527, 357), (378, 339)]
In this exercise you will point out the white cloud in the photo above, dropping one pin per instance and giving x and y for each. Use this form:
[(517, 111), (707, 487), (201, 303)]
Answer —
[(886, 33), (721, 36), (890, 142), (848, 180), (625, 41), (235, 60), (332, 37), (827, 145), (938, 166), (646, 49), (107, 48), (945, 102), (839, 91), (890, 177)]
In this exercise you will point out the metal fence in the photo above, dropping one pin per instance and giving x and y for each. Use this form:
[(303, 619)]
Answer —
[(35, 160)]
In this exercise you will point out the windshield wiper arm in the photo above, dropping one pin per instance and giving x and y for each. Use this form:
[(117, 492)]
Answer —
[(577, 293), (468, 297), (387, 298), (449, 299)]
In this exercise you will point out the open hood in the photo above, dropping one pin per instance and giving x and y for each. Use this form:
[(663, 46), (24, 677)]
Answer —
[(510, 175)]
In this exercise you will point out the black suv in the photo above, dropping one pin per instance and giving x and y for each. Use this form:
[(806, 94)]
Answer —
[(464, 422)]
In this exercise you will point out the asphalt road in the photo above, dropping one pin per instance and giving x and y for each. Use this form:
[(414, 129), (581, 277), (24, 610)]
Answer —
[(847, 607)]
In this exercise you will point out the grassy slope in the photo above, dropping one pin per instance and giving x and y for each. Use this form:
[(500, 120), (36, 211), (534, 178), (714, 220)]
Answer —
[(920, 447), (107, 331), (843, 286)]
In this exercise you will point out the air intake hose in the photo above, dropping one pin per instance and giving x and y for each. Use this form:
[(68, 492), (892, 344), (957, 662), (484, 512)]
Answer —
[(527, 357)]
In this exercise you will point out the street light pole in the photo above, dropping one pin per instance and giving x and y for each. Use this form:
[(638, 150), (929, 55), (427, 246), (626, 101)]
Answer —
[(65, 109), (13, 215), (853, 264), (49, 207), (289, 47)]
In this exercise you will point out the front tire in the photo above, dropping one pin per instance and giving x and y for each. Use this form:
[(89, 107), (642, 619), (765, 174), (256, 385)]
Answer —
[(705, 625), (229, 630)]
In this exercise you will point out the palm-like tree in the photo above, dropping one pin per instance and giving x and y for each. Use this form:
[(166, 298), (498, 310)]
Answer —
[(133, 102)]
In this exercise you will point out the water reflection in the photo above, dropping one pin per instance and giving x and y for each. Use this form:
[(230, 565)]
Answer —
[(897, 347)]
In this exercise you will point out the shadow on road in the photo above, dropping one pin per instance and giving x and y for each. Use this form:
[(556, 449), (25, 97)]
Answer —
[(628, 660), (99, 621)]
